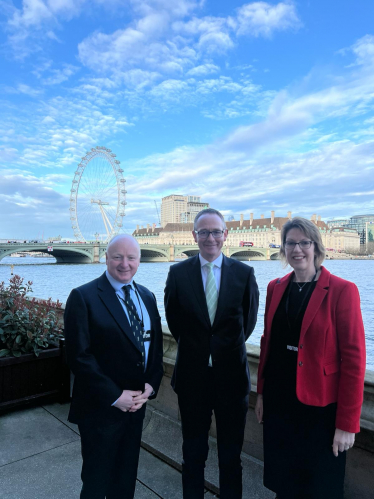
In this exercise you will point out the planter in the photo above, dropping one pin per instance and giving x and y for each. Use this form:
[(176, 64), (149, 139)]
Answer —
[(29, 378)]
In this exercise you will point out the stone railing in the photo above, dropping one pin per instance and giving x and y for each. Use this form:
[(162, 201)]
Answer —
[(360, 460)]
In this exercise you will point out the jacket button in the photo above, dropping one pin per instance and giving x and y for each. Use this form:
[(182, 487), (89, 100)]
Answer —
[(301, 346), (300, 363), (138, 364)]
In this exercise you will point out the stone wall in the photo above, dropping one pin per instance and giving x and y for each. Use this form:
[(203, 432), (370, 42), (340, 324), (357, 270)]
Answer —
[(360, 460)]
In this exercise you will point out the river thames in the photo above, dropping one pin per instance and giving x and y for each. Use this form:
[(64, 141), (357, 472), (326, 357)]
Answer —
[(56, 281)]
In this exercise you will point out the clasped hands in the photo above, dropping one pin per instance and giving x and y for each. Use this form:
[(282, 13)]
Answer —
[(343, 440), (132, 401)]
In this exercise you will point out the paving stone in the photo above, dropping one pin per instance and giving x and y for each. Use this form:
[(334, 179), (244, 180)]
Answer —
[(159, 476), (142, 492), (31, 431), (163, 437), (52, 474), (61, 411)]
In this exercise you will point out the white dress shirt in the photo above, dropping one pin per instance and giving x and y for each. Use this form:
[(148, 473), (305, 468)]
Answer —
[(216, 270)]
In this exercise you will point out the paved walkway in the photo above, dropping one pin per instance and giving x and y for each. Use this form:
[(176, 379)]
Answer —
[(40, 458)]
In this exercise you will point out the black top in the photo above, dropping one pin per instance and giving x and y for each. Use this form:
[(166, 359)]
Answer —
[(281, 365)]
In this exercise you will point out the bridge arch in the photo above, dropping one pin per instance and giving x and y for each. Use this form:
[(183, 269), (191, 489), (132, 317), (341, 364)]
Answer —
[(153, 255), (63, 253), (188, 252), (248, 254)]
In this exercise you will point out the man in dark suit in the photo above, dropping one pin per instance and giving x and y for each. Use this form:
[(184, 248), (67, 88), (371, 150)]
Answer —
[(211, 307), (114, 348)]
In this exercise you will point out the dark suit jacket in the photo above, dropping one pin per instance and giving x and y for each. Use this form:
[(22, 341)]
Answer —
[(331, 355), (102, 352), (188, 320)]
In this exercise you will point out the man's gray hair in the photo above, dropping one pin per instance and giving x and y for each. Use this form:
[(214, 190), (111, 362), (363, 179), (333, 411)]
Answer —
[(118, 237), (209, 211)]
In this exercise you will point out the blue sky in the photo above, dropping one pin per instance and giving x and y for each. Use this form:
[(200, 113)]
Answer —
[(254, 106)]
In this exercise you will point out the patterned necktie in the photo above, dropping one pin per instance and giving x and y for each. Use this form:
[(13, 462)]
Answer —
[(134, 320), (211, 292)]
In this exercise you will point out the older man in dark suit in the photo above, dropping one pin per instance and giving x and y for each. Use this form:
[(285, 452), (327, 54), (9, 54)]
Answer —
[(211, 307), (114, 348)]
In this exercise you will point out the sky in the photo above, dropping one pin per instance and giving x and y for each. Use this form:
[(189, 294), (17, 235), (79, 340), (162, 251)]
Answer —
[(253, 106)]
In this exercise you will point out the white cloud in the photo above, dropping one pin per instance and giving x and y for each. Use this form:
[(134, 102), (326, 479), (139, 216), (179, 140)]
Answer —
[(203, 70), (33, 13), (177, 8), (165, 41), (55, 133), (364, 50), (211, 33), (263, 19), (27, 90), (32, 204), (133, 48), (36, 21), (60, 75), (230, 179)]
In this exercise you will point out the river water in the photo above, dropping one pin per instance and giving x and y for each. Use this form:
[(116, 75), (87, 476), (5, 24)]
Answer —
[(56, 281)]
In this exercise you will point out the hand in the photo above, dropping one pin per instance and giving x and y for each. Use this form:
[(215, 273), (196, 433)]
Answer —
[(141, 399), (259, 408), (126, 400), (343, 440)]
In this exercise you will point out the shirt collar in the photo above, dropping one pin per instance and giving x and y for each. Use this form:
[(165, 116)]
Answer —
[(217, 262), (116, 285)]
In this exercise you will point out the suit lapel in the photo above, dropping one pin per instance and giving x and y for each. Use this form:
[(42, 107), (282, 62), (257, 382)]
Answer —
[(197, 286), (112, 303)]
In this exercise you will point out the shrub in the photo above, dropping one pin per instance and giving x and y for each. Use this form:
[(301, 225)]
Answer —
[(26, 325)]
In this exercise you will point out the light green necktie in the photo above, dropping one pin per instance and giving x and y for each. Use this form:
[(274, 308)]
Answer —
[(211, 292)]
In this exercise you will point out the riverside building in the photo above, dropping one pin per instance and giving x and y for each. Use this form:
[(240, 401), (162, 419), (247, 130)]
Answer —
[(180, 209), (262, 232), (358, 223)]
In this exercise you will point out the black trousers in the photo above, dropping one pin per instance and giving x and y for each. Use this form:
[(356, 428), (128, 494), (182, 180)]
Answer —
[(196, 414), (110, 451)]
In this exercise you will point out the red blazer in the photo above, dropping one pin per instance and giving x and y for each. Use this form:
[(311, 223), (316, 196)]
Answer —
[(331, 357)]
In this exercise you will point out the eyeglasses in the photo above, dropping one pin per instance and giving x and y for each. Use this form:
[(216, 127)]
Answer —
[(204, 234), (302, 244)]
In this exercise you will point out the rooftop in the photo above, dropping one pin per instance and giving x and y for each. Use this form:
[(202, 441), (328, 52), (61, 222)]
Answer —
[(260, 223)]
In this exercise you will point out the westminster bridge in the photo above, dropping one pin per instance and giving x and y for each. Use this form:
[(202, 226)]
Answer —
[(74, 252)]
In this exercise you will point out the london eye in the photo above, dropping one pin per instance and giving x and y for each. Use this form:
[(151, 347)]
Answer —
[(97, 196)]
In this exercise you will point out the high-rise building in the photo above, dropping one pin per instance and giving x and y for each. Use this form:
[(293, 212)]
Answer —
[(357, 222), (337, 222), (180, 209)]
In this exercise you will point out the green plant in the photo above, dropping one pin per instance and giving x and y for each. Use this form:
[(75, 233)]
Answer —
[(26, 325)]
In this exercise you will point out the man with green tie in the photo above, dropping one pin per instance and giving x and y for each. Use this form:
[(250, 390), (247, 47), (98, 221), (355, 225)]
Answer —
[(211, 304)]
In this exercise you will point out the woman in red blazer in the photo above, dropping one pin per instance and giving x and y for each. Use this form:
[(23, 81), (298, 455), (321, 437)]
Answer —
[(311, 371)]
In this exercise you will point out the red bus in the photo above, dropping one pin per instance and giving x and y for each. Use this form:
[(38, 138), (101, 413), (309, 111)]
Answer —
[(245, 243)]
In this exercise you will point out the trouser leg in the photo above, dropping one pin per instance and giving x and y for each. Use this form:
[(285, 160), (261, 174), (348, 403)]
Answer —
[(230, 422), (123, 477), (110, 452), (196, 419)]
